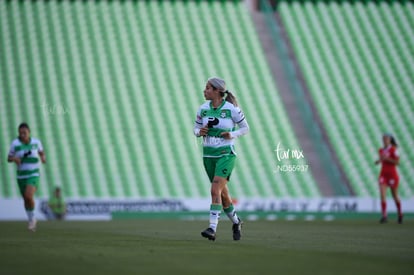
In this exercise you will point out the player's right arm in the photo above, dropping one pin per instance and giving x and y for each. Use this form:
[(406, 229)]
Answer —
[(378, 161), (11, 156), (14, 159), (199, 129)]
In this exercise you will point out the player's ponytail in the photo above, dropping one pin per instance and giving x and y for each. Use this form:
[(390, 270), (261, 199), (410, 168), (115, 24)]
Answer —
[(393, 141), (230, 97)]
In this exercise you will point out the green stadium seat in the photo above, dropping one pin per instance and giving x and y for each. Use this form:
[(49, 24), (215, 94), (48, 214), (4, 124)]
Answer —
[(356, 61), (131, 76)]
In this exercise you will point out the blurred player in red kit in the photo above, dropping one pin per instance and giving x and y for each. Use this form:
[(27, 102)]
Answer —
[(389, 159)]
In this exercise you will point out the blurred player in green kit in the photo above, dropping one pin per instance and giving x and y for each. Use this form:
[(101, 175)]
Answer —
[(27, 153)]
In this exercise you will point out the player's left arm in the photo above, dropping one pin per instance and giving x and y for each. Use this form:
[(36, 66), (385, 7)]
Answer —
[(41, 153), (240, 120)]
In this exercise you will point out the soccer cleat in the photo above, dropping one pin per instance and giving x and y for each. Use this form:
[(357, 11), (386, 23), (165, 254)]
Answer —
[(32, 225), (383, 220), (400, 219), (237, 230), (209, 234)]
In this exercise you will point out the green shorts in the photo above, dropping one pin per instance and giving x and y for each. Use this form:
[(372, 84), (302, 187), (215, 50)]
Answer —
[(25, 182), (221, 167)]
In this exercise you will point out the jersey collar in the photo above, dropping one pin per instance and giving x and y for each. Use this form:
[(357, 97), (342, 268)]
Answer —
[(219, 107), (30, 140)]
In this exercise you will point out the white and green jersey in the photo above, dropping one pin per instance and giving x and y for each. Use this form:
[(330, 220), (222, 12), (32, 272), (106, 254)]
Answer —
[(29, 155), (219, 120)]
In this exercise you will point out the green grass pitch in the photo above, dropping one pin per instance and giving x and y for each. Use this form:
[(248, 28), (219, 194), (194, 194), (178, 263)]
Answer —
[(176, 247)]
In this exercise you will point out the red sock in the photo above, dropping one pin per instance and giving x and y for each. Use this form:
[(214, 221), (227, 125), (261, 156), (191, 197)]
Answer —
[(384, 208), (398, 204)]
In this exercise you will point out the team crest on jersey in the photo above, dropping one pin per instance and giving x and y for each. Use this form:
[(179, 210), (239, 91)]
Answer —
[(223, 114)]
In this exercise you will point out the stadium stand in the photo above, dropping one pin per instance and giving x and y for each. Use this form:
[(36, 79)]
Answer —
[(112, 87), (357, 60)]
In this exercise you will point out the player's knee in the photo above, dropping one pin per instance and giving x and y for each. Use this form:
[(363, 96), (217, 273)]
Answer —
[(28, 196), (215, 193), (395, 196)]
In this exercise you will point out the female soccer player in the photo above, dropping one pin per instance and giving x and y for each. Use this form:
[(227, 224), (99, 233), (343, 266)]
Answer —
[(25, 151), (389, 159), (216, 121)]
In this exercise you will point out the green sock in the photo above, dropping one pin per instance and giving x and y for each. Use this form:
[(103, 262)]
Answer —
[(231, 213)]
